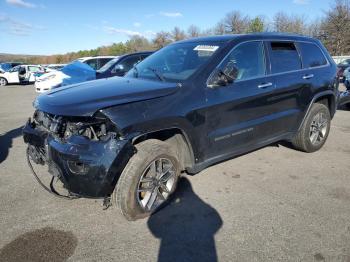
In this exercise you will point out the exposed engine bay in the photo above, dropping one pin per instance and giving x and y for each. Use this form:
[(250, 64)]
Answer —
[(64, 127), (82, 152)]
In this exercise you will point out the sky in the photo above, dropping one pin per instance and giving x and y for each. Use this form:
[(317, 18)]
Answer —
[(54, 27)]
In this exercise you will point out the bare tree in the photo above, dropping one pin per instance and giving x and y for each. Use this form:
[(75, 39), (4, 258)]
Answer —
[(236, 23), (207, 32), (281, 22), (178, 34), (193, 31), (162, 39), (336, 27), (220, 29), (314, 28), (290, 23)]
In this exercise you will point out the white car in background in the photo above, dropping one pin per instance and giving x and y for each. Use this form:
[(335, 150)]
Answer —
[(63, 77), (96, 62), (20, 74), (53, 67), (75, 72)]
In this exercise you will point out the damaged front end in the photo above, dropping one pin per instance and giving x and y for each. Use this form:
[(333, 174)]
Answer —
[(87, 154)]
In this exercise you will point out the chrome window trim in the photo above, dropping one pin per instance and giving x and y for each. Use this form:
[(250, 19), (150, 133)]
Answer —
[(250, 78), (322, 52), (275, 74)]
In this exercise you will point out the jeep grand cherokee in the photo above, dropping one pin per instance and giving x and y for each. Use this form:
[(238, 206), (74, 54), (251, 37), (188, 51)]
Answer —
[(190, 105)]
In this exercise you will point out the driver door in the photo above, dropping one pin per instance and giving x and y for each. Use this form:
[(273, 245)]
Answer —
[(239, 112)]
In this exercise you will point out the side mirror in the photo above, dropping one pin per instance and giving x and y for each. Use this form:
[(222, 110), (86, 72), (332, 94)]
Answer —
[(223, 76), (118, 69), (230, 71)]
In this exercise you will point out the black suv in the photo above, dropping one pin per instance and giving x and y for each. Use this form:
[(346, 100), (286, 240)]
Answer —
[(120, 65), (190, 105)]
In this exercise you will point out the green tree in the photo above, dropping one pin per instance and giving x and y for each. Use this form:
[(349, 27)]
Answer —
[(256, 25)]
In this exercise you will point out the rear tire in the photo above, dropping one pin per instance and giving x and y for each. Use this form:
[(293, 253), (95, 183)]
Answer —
[(138, 184), (315, 129), (3, 81)]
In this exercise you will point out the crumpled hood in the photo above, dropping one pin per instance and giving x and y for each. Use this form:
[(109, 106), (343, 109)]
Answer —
[(86, 98)]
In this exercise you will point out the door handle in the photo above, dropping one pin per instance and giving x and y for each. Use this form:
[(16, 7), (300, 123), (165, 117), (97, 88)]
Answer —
[(308, 76), (264, 85)]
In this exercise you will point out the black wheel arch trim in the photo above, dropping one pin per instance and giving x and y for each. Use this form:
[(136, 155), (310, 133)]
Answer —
[(324, 94), (135, 136)]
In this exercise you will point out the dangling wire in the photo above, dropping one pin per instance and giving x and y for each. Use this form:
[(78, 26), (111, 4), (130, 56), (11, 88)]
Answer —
[(51, 190)]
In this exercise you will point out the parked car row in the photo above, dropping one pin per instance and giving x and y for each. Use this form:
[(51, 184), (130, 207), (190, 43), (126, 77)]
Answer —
[(20, 74), (343, 74), (47, 77), (83, 69), (4, 67)]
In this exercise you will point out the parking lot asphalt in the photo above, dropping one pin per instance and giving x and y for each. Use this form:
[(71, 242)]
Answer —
[(274, 204)]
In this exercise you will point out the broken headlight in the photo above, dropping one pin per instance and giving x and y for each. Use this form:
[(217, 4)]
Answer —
[(93, 128)]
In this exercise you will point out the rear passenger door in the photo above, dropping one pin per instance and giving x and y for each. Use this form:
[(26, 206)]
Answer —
[(291, 85), (316, 71)]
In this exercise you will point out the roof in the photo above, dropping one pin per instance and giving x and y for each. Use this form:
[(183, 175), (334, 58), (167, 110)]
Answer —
[(137, 53), (92, 57), (265, 35)]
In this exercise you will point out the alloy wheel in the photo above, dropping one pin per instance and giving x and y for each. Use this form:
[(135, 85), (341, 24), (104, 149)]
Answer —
[(3, 82), (156, 184), (318, 129)]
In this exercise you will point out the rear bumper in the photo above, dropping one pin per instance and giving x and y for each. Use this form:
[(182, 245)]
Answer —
[(86, 168)]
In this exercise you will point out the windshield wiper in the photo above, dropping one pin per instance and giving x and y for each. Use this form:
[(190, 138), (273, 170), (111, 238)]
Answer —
[(158, 74)]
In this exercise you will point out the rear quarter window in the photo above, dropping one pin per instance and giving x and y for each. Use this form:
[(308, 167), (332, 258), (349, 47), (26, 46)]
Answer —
[(311, 55), (284, 57)]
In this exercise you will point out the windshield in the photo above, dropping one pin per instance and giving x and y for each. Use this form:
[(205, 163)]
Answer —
[(108, 64), (175, 62)]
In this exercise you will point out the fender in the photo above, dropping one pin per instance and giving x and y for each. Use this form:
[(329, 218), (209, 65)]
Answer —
[(317, 96), (134, 137)]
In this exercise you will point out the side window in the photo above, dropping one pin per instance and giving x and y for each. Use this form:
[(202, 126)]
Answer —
[(92, 63), (14, 69), (103, 61), (247, 59), (33, 69), (311, 55), (129, 62), (284, 57)]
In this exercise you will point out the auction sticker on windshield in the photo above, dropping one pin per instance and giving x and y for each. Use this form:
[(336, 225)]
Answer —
[(208, 48)]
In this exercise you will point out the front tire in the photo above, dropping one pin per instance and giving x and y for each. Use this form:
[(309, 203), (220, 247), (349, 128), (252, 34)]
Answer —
[(147, 181), (315, 129), (3, 81)]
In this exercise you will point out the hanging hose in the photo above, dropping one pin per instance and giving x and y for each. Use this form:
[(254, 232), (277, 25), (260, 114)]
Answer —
[(51, 190)]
